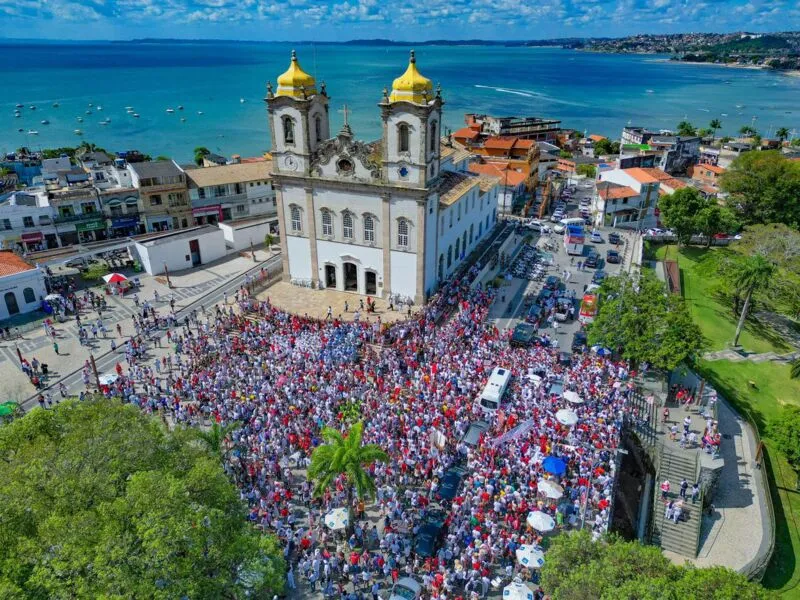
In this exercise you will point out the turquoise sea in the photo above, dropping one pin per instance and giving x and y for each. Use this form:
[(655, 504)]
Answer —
[(598, 93)]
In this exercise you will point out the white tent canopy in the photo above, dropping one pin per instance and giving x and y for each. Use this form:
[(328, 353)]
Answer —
[(550, 489), (338, 518), (516, 590), (541, 521), (530, 556), (572, 397), (566, 417)]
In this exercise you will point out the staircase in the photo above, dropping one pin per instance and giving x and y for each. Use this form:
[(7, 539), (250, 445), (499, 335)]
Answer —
[(682, 537)]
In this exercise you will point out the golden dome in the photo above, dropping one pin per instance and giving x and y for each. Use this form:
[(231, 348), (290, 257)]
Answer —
[(295, 82), (412, 86)]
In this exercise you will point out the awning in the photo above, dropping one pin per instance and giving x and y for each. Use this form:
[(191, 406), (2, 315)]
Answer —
[(96, 225), (126, 222), (207, 210), (35, 236)]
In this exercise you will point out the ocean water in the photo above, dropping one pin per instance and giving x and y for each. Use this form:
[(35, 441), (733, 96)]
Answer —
[(598, 93)]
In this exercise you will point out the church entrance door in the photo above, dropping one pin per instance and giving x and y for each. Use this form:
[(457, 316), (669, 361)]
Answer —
[(350, 277), (370, 283), (330, 276)]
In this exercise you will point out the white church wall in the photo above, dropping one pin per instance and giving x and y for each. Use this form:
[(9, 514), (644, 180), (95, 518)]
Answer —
[(358, 204), (404, 273), (299, 253), (278, 144), (365, 259)]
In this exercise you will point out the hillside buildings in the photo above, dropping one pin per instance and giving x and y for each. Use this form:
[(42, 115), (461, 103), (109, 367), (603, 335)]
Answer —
[(22, 286)]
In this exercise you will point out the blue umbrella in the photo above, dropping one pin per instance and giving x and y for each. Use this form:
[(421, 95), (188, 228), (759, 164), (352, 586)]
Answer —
[(600, 351), (554, 465)]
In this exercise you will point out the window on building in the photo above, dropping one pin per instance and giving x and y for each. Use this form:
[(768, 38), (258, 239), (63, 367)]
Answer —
[(402, 137), (116, 211), (449, 256), (433, 136), (155, 200), (221, 190), (6, 223), (30, 296), (288, 130), (480, 229), (65, 211), (88, 208), (327, 221), (458, 248), (27, 221), (459, 211), (402, 233), (241, 209), (238, 188), (369, 228), (347, 225), (451, 219), (297, 224), (318, 127), (201, 193), (464, 242)]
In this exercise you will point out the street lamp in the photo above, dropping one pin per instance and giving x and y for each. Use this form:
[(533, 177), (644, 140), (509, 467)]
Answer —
[(166, 272)]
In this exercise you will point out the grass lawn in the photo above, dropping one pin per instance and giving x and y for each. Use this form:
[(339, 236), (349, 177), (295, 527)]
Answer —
[(699, 281), (774, 389), (762, 404)]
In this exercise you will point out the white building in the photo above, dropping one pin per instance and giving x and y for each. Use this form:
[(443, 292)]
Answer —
[(183, 249), (21, 285), (373, 218), (626, 196), (242, 235), (231, 192)]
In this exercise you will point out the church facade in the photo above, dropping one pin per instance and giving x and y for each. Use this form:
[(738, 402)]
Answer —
[(395, 216)]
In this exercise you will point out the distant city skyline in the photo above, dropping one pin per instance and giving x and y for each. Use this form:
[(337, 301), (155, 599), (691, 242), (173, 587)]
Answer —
[(404, 20)]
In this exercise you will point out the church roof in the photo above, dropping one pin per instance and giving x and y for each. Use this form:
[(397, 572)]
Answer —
[(295, 82), (453, 186), (11, 264), (412, 86)]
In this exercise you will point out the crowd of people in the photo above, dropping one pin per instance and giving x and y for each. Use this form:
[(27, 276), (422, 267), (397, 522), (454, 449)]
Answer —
[(282, 378)]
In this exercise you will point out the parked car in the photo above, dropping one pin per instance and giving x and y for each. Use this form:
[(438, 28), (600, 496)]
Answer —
[(430, 534), (474, 432), (552, 282), (559, 228), (579, 341), (613, 257), (536, 224), (599, 276), (614, 238), (450, 483), (406, 588), (591, 260), (596, 238), (524, 334)]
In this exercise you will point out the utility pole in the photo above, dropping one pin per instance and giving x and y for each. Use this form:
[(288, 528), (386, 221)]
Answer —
[(94, 369), (252, 250), (166, 272)]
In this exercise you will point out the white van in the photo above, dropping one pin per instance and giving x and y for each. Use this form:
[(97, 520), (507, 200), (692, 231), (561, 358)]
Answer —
[(493, 392), (572, 221), (406, 588)]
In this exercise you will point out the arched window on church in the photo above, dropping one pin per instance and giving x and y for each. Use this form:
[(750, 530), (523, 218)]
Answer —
[(458, 248), (433, 136), (449, 256), (402, 233), (318, 127), (402, 137), (288, 130), (347, 225), (297, 223), (369, 228), (327, 222)]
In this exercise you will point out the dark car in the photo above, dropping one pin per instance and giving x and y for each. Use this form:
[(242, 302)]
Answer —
[(612, 256), (556, 387), (430, 534), (591, 260), (543, 295), (598, 277), (524, 334), (579, 341), (474, 432), (535, 314), (450, 483), (552, 282), (614, 238)]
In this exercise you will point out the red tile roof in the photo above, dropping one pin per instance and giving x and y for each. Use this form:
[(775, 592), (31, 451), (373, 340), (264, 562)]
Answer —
[(641, 175), (507, 143), (11, 264), (467, 133), (717, 170), (507, 175), (617, 192), (596, 138)]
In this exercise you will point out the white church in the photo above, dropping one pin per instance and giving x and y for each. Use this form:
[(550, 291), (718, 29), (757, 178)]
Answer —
[(395, 216)]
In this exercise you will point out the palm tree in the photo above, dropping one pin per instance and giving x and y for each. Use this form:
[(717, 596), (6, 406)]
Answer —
[(747, 130), (214, 437), (715, 125), (754, 274), (782, 134), (686, 128), (269, 239), (199, 154), (344, 455)]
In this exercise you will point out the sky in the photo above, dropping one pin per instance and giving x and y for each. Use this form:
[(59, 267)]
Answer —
[(402, 20)]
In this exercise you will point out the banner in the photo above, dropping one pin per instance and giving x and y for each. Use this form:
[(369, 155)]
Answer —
[(512, 434)]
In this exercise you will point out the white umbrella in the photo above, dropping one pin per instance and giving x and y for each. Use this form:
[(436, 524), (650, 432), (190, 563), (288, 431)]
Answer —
[(108, 378), (550, 489), (566, 417), (516, 590), (53, 297), (541, 521), (338, 518), (530, 556), (572, 397)]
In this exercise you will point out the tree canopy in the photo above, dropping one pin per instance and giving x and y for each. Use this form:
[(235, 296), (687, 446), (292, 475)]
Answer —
[(686, 128), (644, 323), (587, 170), (687, 213), (605, 146), (577, 568), (101, 501), (764, 187), (785, 431)]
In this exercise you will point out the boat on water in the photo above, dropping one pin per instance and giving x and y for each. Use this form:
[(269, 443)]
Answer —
[(723, 114), (56, 105), (33, 132), (80, 119), (183, 119), (170, 110), (242, 100), (650, 91), (90, 104), (199, 112), (105, 122), (20, 106), (99, 107), (740, 106), (135, 115), (32, 107), (128, 108), (88, 112), (21, 130), (78, 132), (180, 107), (45, 122), (17, 114)]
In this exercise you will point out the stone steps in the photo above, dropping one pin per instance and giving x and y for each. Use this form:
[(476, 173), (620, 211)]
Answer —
[(681, 537)]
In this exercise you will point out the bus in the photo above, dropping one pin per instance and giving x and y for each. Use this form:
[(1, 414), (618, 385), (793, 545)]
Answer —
[(574, 238), (588, 308), (495, 388)]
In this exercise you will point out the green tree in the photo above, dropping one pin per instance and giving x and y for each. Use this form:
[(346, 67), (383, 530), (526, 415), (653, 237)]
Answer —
[(679, 212), (565, 153), (639, 319), (785, 431), (214, 437), (747, 130), (269, 239), (586, 170), (705, 132), (754, 275), (712, 219), (343, 455), (199, 154), (715, 126), (603, 147), (686, 128), (162, 157), (576, 568), (101, 501), (763, 187), (782, 133), (794, 371)]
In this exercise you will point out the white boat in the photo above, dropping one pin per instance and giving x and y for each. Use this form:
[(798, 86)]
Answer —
[(99, 107), (135, 115), (32, 107), (129, 108), (45, 122), (16, 114), (78, 132), (106, 122), (650, 91), (80, 119), (724, 114), (56, 104), (180, 107), (33, 132), (170, 110), (241, 100), (199, 112), (20, 106), (183, 119), (90, 104), (88, 112)]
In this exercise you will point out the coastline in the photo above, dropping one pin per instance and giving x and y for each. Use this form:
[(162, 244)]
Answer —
[(788, 72)]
